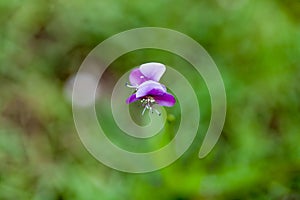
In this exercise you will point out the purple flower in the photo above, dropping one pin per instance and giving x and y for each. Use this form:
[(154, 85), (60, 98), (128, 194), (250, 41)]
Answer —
[(155, 92), (147, 88)]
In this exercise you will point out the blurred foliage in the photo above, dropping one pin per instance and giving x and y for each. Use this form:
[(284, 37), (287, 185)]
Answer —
[(256, 45)]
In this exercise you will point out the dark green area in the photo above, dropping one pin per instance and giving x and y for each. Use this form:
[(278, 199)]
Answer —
[(256, 46)]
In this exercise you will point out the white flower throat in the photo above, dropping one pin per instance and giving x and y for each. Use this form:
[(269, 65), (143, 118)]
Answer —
[(148, 103)]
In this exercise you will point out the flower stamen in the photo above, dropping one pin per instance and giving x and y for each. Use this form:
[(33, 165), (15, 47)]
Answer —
[(148, 103), (131, 86)]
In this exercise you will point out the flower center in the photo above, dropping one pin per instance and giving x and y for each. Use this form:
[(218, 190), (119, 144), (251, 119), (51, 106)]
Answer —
[(147, 103)]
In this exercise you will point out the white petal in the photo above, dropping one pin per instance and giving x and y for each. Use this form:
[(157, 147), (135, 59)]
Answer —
[(153, 70)]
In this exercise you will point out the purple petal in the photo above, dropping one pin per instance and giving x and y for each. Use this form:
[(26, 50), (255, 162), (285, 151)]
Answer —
[(131, 99), (153, 71), (150, 88), (136, 77), (166, 99)]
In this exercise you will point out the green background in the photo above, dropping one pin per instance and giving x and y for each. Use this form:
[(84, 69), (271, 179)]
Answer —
[(256, 46)]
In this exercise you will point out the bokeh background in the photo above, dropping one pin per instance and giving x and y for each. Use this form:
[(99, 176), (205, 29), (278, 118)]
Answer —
[(256, 45)]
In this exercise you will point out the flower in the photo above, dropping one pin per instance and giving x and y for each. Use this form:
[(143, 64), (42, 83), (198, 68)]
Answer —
[(147, 88), (153, 91), (148, 71)]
